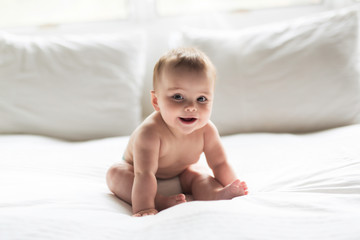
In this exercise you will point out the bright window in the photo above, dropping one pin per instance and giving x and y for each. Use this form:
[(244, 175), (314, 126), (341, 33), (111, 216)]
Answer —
[(48, 12), (180, 7), (43, 12)]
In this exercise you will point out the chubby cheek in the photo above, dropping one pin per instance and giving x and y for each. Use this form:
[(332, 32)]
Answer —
[(171, 106), (170, 111), (206, 112)]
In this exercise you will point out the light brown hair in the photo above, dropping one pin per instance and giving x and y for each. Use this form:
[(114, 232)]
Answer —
[(188, 58)]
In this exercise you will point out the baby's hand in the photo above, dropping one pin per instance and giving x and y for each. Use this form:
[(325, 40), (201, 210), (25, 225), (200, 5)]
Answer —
[(146, 212)]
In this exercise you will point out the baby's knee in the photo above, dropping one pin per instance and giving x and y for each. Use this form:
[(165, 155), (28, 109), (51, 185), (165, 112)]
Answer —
[(189, 175), (116, 172), (113, 170), (191, 172), (110, 175)]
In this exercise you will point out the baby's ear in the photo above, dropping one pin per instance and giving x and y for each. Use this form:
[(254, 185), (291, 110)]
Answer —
[(154, 101)]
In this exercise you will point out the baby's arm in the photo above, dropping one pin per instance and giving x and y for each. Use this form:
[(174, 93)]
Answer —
[(146, 152), (216, 157)]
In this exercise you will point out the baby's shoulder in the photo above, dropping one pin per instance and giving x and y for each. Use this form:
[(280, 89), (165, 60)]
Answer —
[(144, 137), (210, 128), (148, 130)]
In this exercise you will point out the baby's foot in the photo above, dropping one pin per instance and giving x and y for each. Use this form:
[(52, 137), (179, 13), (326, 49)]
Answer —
[(163, 202), (235, 189)]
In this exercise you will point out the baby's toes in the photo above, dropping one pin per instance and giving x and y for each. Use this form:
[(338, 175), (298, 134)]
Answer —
[(180, 198), (244, 186)]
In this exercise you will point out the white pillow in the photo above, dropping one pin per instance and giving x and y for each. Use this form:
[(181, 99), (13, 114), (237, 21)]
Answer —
[(297, 76), (71, 87)]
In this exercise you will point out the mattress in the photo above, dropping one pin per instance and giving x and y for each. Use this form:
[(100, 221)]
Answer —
[(304, 186)]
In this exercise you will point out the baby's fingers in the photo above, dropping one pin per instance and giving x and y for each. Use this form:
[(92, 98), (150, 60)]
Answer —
[(146, 212)]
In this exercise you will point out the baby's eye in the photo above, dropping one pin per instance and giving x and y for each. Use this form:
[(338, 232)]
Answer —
[(202, 99), (178, 97)]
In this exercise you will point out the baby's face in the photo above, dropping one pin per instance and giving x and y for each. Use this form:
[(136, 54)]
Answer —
[(185, 99)]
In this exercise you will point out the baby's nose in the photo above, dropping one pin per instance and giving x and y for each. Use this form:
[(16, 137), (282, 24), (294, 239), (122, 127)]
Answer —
[(190, 108)]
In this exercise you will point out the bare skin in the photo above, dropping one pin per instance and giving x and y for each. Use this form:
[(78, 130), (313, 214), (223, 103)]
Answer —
[(124, 173), (169, 143)]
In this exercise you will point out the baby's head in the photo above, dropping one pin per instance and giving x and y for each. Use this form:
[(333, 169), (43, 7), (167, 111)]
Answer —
[(183, 92), (183, 59)]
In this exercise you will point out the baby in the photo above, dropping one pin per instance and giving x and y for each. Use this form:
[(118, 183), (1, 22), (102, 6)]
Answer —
[(170, 141)]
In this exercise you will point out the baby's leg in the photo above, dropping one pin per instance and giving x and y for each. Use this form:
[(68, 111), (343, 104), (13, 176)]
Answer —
[(205, 187), (164, 202), (120, 180)]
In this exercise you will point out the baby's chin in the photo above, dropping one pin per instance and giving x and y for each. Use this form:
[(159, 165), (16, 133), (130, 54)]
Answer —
[(190, 126)]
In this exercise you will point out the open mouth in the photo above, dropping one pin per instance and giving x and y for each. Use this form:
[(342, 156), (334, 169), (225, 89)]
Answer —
[(187, 120)]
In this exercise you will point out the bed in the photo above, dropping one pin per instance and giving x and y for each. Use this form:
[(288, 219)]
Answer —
[(301, 187), (69, 103)]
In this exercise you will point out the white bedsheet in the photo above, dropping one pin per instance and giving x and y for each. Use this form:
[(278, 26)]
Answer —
[(300, 187)]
